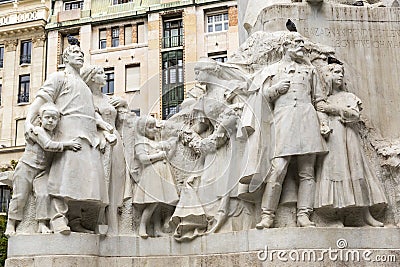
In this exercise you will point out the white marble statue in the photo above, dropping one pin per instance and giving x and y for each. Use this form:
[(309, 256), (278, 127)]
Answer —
[(115, 170), (76, 178), (32, 170), (155, 182), (344, 176), (290, 86)]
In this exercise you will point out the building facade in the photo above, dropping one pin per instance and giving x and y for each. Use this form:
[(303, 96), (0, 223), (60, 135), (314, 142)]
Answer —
[(148, 48), (22, 71)]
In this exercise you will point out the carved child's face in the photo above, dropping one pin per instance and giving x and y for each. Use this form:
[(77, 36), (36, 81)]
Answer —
[(151, 129), (337, 76), (49, 119), (99, 77), (296, 48)]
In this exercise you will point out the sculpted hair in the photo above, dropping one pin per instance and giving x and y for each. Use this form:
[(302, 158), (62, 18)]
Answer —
[(88, 72), (69, 49), (141, 124), (47, 107)]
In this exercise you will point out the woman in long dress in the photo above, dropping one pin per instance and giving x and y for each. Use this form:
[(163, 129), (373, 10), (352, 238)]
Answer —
[(115, 169), (345, 178)]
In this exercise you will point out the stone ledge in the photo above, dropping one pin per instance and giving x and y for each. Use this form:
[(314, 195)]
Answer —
[(235, 242)]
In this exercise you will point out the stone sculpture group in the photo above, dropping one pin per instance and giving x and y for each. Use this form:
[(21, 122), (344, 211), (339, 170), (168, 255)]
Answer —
[(273, 125)]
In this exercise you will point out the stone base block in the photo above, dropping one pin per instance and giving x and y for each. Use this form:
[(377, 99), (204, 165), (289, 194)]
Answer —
[(269, 247)]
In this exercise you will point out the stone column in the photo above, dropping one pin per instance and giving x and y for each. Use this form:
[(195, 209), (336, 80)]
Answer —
[(10, 90)]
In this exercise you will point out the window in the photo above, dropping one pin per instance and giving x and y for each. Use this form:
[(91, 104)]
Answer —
[(173, 82), (132, 78), (5, 196), (217, 22), (219, 56), (26, 50), (127, 34), (1, 56), (109, 87), (20, 132), (117, 2), (102, 38), (141, 33), (23, 92), (73, 5), (172, 33), (115, 37)]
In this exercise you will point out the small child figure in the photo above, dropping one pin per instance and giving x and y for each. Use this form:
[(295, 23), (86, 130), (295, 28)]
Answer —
[(155, 184), (32, 169)]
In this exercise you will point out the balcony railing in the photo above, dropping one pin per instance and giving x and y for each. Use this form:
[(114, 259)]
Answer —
[(172, 41), (25, 59), (23, 98)]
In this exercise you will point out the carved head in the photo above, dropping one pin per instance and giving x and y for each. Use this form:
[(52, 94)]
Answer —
[(204, 68), (337, 73), (293, 45), (332, 75), (49, 116), (94, 76), (147, 126), (73, 56)]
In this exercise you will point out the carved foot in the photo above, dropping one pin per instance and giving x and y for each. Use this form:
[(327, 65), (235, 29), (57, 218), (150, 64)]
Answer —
[(219, 220), (304, 221), (10, 229), (79, 228), (43, 228), (266, 222), (143, 235), (142, 231), (65, 230), (371, 220), (159, 233), (59, 225)]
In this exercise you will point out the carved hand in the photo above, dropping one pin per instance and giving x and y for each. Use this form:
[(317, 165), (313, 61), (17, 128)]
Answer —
[(111, 138), (282, 86), (73, 145), (29, 131), (118, 102), (349, 115), (325, 130)]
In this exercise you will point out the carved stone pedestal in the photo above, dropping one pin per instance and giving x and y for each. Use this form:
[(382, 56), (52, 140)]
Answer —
[(271, 247)]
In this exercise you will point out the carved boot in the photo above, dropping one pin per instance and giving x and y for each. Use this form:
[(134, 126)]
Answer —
[(305, 199), (269, 204), (10, 228), (59, 225), (303, 220), (267, 220)]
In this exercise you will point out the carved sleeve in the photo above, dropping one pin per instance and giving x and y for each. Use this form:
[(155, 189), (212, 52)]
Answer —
[(52, 87), (142, 153), (46, 143), (270, 92)]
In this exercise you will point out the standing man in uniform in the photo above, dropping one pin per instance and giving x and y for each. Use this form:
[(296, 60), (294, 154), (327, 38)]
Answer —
[(296, 131)]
